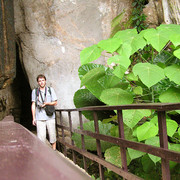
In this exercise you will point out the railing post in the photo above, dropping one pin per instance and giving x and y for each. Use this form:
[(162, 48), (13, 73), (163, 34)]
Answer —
[(82, 139), (121, 135), (98, 143), (72, 142), (63, 137), (163, 143)]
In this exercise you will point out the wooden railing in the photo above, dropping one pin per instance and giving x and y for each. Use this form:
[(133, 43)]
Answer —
[(163, 152)]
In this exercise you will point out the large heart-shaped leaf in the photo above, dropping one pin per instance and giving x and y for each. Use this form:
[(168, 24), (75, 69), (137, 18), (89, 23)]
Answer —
[(135, 154), (154, 141), (175, 39), (119, 59), (132, 117), (90, 143), (110, 45), (90, 54), (84, 98), (148, 165), (138, 42), (119, 71), (147, 130), (177, 53), (173, 73), (113, 155), (87, 67), (149, 74), (169, 30), (171, 95), (171, 127), (157, 38), (116, 96), (90, 80), (126, 35)]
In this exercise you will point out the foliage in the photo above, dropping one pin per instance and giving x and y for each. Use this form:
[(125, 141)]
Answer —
[(90, 143), (138, 15), (144, 68)]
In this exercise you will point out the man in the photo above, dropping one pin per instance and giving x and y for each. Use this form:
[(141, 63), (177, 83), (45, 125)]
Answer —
[(41, 97)]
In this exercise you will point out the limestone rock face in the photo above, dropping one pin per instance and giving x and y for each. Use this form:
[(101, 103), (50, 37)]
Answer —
[(51, 34)]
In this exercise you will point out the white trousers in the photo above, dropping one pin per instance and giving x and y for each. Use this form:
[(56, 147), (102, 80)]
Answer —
[(41, 130)]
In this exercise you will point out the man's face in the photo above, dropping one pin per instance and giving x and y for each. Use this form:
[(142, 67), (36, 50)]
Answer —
[(42, 82)]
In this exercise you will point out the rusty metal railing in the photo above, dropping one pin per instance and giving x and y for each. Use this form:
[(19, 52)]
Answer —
[(163, 152)]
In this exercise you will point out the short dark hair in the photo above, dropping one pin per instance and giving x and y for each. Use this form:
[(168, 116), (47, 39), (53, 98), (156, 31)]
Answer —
[(40, 76)]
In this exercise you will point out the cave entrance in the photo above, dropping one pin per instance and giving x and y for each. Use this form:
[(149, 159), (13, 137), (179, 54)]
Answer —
[(24, 92)]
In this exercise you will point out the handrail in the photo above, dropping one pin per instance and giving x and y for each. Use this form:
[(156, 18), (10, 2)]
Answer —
[(163, 152)]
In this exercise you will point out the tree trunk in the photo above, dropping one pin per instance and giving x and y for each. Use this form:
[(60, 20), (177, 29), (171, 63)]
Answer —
[(171, 11)]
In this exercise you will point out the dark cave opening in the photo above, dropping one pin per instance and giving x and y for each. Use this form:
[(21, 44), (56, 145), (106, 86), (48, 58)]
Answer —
[(24, 93)]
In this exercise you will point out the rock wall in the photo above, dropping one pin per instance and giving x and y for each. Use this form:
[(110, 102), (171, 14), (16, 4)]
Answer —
[(51, 34)]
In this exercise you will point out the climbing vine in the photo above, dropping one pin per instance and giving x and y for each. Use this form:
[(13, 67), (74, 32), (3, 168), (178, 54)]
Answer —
[(138, 17)]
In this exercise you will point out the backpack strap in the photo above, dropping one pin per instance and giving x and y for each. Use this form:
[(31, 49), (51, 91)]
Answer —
[(37, 95), (49, 89)]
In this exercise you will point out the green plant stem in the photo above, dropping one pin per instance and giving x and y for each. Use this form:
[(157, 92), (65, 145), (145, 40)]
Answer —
[(152, 89), (142, 56), (152, 58)]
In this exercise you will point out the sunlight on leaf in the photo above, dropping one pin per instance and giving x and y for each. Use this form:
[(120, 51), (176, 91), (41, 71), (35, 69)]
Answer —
[(113, 155), (116, 96), (110, 45), (173, 73), (149, 74), (90, 54), (147, 130)]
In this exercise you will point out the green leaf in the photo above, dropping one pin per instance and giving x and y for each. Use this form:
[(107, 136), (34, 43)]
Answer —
[(90, 54), (154, 141), (135, 154), (110, 45), (175, 39), (169, 30), (171, 127), (177, 53), (119, 71), (84, 98), (113, 155), (157, 38), (148, 73), (138, 42), (132, 77), (128, 133), (147, 163), (126, 35), (173, 73), (116, 96), (90, 80), (174, 147), (90, 143), (171, 95), (87, 67), (138, 90), (179, 131), (125, 49), (147, 130), (119, 59), (112, 81), (132, 117)]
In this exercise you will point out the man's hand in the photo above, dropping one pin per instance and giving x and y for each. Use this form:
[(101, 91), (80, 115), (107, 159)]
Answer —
[(34, 122)]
